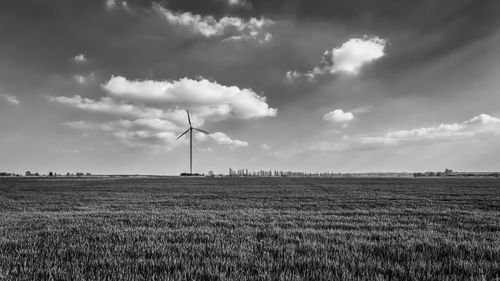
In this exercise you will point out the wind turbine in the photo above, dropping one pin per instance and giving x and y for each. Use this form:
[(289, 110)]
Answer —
[(190, 130)]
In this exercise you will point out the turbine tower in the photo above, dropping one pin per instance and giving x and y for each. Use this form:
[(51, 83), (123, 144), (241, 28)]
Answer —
[(190, 130)]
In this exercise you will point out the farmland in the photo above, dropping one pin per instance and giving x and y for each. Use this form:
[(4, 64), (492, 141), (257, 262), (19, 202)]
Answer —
[(250, 229)]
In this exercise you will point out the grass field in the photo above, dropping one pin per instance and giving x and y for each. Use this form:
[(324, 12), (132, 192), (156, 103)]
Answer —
[(249, 229)]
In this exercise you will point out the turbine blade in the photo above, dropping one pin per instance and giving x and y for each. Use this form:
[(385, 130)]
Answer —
[(189, 118), (183, 133), (201, 131)]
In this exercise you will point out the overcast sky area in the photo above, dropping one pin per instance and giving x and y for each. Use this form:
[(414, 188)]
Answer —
[(101, 86)]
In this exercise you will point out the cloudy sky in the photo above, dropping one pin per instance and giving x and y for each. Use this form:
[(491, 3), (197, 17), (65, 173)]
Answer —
[(102, 85)]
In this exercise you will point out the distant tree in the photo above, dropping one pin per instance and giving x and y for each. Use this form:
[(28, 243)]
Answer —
[(68, 174), (37, 174), (51, 174), (28, 174), (211, 173), (88, 174)]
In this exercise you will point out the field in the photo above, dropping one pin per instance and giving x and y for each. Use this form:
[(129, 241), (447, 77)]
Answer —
[(250, 229)]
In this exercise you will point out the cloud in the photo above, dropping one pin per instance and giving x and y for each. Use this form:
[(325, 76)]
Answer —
[(348, 58), (150, 133), (239, 3), (151, 112), (108, 105), (115, 4), (156, 133), (293, 75), (478, 125), (339, 116), (222, 139), (80, 58), (111, 4), (84, 79), (206, 99), (10, 98), (226, 27), (262, 39), (153, 124), (472, 129)]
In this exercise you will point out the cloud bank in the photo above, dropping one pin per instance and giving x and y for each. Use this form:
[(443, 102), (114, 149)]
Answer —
[(478, 125), (348, 58), (222, 139), (152, 112), (207, 99)]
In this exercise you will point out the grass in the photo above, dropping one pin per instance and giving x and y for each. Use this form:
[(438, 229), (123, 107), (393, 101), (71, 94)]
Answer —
[(249, 229)]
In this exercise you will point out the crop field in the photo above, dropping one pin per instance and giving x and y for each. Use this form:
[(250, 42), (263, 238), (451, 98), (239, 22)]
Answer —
[(250, 229)]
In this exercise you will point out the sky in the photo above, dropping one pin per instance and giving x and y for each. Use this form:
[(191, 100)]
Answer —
[(102, 86)]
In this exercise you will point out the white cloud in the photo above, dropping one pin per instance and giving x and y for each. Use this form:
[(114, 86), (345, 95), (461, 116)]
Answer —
[(155, 133), (238, 3), (207, 99), (80, 58), (108, 105), (9, 98), (80, 79), (475, 128), (478, 125), (151, 112), (339, 116), (267, 37), (84, 79), (222, 139), (115, 4), (347, 58), (226, 27), (111, 4), (292, 76), (152, 124), (355, 53), (262, 39)]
